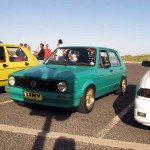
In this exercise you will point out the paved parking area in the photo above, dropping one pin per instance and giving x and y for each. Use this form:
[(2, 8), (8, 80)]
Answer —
[(109, 126)]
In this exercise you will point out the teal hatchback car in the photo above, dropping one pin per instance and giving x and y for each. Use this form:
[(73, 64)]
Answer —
[(71, 77)]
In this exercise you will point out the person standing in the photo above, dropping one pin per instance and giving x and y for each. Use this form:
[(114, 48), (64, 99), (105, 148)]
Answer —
[(41, 54), (59, 52), (25, 45), (47, 51), (60, 43), (29, 47), (21, 44)]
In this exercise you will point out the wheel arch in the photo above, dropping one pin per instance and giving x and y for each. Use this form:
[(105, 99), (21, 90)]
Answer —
[(119, 90), (124, 76), (87, 84), (84, 105)]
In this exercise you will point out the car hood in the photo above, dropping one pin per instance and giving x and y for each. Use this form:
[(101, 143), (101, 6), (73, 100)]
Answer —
[(145, 81), (57, 72)]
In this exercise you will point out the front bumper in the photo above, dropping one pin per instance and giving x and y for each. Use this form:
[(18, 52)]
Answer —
[(48, 98), (142, 110)]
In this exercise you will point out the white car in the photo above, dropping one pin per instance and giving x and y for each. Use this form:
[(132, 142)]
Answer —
[(142, 98)]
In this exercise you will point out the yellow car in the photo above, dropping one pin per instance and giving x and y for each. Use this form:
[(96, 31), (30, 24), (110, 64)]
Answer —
[(14, 58)]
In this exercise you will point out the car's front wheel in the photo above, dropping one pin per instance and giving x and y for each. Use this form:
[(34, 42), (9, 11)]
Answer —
[(87, 101), (122, 87)]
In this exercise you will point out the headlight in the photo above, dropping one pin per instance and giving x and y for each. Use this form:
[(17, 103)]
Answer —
[(62, 86), (11, 81), (144, 92)]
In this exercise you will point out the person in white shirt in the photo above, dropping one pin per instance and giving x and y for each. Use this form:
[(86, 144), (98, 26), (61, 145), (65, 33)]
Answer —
[(60, 43)]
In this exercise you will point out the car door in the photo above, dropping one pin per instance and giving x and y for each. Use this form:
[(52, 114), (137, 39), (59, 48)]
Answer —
[(117, 68), (3, 73), (106, 76)]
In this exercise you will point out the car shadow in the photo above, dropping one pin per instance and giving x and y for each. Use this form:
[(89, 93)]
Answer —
[(122, 102), (50, 113)]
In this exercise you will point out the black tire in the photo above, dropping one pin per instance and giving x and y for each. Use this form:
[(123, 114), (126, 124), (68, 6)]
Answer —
[(87, 101), (122, 87)]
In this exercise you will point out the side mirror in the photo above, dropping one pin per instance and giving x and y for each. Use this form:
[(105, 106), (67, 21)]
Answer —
[(146, 63)]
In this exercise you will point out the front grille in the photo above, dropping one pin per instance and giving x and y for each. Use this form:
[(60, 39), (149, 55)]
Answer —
[(41, 84)]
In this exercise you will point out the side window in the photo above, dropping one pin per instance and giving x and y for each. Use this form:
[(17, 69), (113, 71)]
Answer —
[(114, 58), (16, 54), (2, 55), (104, 59)]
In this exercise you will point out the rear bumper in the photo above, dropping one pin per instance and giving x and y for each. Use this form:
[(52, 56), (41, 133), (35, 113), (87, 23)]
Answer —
[(48, 98), (142, 110)]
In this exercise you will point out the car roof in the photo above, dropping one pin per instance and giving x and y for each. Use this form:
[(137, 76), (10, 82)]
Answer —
[(13, 45), (95, 47)]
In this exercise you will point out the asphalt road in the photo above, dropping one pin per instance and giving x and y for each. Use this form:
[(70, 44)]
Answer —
[(110, 126)]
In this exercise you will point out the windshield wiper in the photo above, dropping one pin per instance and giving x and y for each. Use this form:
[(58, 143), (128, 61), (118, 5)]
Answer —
[(82, 64), (79, 64), (58, 62), (67, 63), (52, 62)]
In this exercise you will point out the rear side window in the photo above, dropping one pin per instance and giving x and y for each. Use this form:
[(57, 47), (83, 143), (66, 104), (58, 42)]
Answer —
[(114, 58), (16, 54), (2, 55)]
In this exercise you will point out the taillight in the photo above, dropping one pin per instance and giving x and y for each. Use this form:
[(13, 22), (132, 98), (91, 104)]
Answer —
[(144, 92)]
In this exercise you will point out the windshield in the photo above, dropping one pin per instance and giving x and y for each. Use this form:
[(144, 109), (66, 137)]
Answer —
[(73, 56)]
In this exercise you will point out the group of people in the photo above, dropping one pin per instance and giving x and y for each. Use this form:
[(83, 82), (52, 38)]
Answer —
[(26, 45), (44, 53)]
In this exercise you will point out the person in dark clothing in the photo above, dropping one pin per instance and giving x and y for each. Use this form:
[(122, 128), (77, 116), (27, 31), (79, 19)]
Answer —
[(41, 54)]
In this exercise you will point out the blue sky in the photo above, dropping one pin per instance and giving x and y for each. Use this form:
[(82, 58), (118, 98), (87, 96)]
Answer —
[(123, 25)]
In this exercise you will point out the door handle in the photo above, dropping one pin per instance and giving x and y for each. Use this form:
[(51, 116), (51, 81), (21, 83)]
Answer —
[(5, 65), (121, 69), (111, 70), (26, 63)]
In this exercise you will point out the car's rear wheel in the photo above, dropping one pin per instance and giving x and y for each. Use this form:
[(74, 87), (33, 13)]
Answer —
[(122, 87), (87, 101)]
